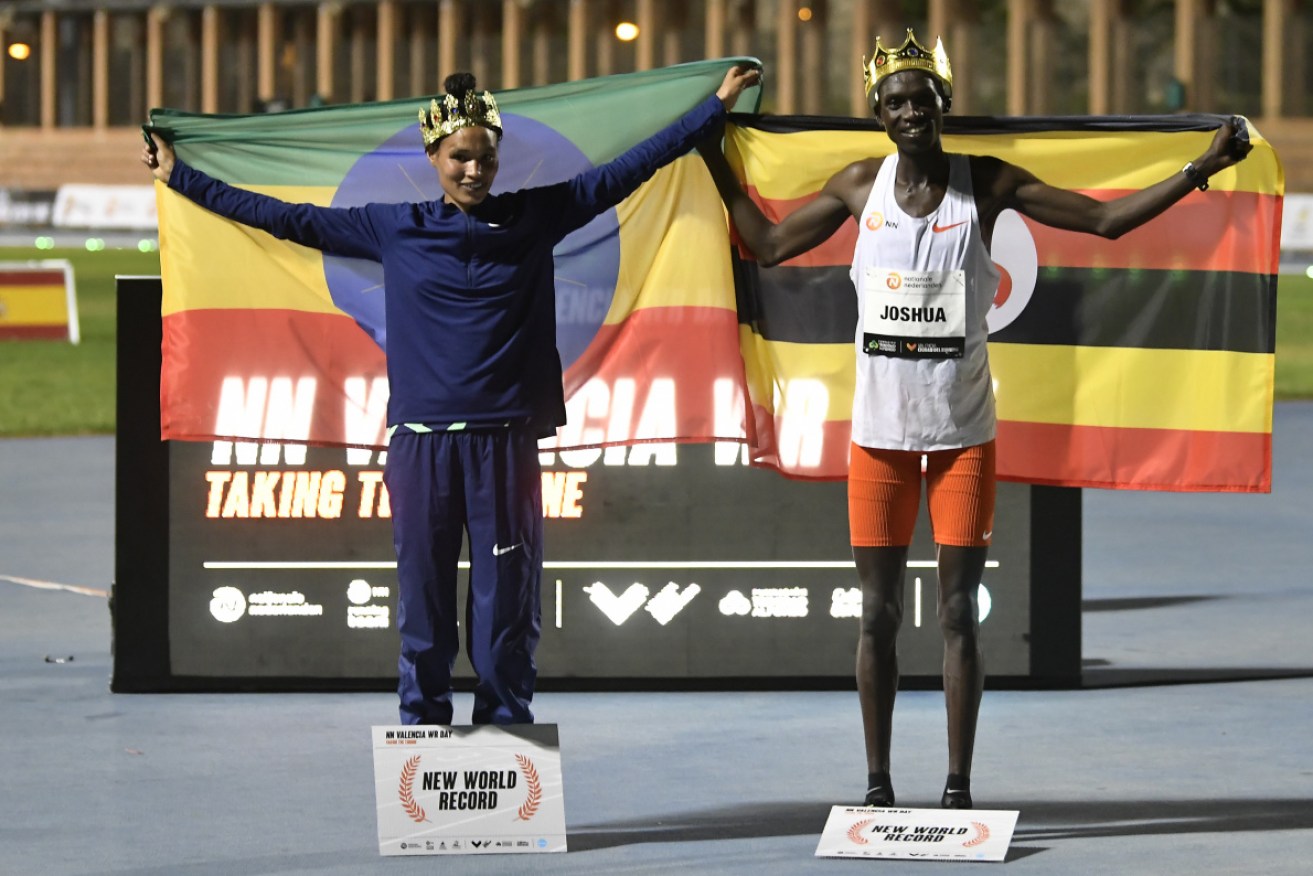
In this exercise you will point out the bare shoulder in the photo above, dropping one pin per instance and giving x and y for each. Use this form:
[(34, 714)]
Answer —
[(861, 173), (990, 173), (853, 183), (995, 182)]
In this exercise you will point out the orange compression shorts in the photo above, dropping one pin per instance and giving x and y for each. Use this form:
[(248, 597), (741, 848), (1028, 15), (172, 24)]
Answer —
[(884, 495)]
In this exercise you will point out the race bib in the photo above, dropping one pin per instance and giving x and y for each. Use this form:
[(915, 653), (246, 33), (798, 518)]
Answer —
[(914, 314)]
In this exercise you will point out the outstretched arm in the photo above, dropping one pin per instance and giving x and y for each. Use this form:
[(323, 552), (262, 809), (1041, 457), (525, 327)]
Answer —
[(804, 228), (1012, 186), (595, 190), (353, 232)]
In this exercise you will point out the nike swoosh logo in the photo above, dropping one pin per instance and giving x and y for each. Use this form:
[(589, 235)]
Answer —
[(940, 229), (988, 533), (503, 551)]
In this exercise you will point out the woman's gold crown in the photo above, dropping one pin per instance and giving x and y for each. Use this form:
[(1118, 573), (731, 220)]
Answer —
[(449, 115)]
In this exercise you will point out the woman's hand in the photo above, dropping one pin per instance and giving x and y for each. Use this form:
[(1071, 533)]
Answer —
[(736, 80), (159, 158)]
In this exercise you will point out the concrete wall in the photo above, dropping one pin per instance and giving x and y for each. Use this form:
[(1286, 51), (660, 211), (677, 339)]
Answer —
[(31, 158)]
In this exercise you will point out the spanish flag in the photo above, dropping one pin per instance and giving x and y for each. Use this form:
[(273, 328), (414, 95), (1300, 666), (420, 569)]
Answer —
[(267, 341), (38, 301), (1144, 362)]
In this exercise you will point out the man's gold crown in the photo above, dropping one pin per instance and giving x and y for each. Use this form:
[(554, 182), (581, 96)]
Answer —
[(449, 115), (911, 55)]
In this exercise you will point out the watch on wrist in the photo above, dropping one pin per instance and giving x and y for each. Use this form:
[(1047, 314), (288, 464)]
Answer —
[(1197, 179)]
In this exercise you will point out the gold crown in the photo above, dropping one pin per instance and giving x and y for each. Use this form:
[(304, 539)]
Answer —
[(449, 115), (911, 55)]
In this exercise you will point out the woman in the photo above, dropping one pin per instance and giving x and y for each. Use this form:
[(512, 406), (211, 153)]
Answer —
[(925, 283), (474, 374)]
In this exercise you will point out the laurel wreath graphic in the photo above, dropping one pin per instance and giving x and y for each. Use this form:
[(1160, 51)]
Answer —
[(982, 834), (534, 798), (413, 809), (855, 832)]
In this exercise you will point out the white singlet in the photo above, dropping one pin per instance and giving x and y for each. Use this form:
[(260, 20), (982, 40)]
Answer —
[(924, 289)]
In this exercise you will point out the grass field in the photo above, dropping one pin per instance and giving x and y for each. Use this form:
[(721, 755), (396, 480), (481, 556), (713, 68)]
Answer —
[(1295, 338), (54, 388), (51, 388)]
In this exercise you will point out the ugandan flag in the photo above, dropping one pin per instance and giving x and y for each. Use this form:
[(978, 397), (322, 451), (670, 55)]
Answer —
[(1144, 362), (267, 341)]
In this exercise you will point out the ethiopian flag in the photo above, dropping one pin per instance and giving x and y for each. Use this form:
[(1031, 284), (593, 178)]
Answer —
[(1144, 362), (268, 341)]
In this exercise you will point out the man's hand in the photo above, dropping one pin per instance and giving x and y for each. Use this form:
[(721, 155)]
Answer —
[(736, 80), (158, 156), (1230, 146)]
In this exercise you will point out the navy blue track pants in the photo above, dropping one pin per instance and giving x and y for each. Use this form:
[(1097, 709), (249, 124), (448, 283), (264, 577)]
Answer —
[(442, 484)]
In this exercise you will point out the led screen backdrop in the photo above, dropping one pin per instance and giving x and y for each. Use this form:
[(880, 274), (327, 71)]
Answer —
[(244, 566)]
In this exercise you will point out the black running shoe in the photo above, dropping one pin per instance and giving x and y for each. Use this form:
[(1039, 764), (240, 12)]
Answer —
[(957, 792), (879, 790)]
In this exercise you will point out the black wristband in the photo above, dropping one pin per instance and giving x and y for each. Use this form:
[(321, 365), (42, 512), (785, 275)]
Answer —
[(1197, 179)]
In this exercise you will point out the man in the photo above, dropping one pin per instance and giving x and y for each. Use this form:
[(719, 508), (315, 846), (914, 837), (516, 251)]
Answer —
[(923, 400)]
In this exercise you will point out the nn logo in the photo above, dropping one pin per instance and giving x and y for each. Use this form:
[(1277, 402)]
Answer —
[(277, 411), (274, 417)]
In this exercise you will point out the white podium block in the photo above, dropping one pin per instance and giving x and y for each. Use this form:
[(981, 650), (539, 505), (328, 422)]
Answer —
[(469, 790)]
